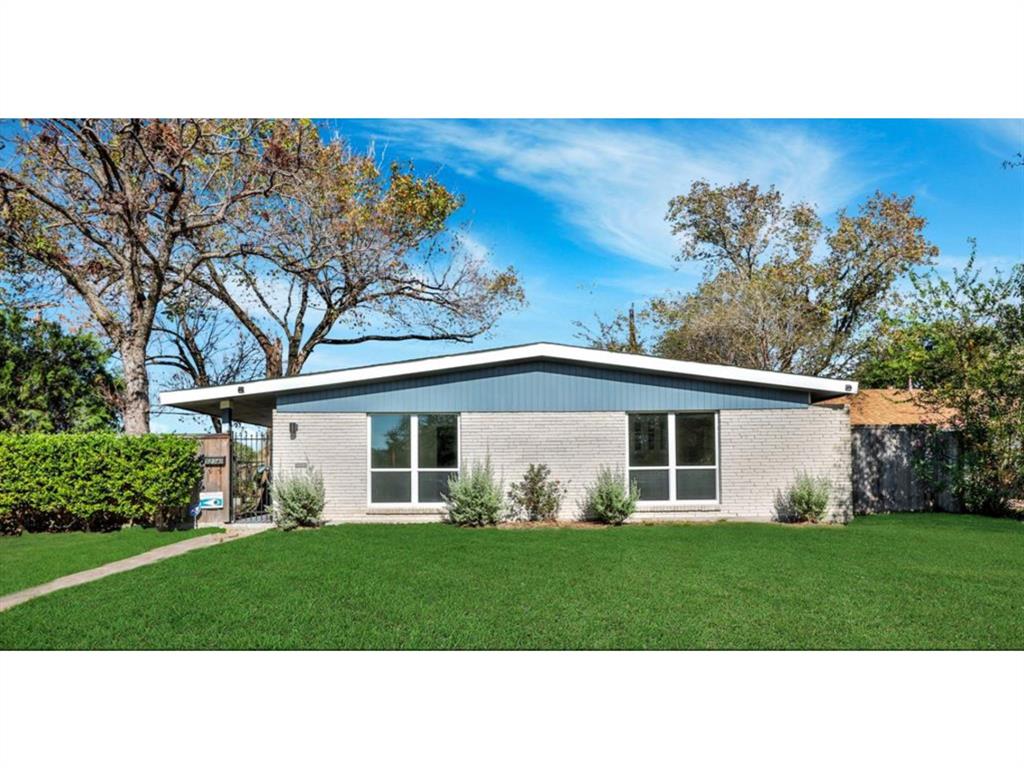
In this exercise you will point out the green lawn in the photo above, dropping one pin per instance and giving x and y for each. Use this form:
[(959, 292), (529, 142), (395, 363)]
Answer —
[(910, 581), (35, 558)]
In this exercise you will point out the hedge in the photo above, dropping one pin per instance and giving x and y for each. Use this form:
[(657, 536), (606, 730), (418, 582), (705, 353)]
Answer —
[(95, 481)]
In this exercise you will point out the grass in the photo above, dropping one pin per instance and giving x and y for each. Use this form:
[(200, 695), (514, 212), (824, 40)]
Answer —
[(35, 558), (906, 581)]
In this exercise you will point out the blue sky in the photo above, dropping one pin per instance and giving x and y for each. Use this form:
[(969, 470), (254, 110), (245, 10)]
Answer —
[(578, 206)]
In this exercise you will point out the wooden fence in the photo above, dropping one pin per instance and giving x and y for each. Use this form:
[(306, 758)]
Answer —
[(885, 478)]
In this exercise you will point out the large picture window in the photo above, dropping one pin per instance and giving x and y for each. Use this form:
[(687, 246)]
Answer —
[(412, 456), (674, 456)]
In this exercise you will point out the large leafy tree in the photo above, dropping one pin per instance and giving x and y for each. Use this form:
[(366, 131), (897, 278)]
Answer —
[(125, 211), (781, 291), (288, 234), (53, 381), (961, 342), (348, 252)]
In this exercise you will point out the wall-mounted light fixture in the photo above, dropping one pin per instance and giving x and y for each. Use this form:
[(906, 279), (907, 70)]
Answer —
[(293, 429)]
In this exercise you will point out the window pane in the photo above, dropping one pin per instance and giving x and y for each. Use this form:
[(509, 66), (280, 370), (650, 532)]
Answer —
[(648, 440), (433, 484), (389, 442), (653, 483), (391, 487), (696, 484), (695, 439), (439, 441)]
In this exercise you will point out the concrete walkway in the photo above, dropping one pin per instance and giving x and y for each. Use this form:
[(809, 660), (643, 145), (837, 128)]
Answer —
[(231, 533)]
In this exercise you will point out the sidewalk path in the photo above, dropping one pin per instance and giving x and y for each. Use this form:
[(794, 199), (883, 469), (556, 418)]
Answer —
[(130, 563)]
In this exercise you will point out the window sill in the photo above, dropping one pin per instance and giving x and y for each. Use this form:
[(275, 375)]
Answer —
[(683, 506), (404, 509)]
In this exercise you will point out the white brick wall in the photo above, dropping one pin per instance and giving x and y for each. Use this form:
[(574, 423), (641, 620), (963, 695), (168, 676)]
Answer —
[(762, 451), (334, 443), (574, 445)]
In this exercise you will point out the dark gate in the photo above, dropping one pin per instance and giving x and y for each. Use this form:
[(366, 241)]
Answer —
[(250, 477)]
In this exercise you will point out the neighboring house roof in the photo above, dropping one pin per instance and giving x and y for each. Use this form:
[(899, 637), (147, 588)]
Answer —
[(884, 407), (251, 393)]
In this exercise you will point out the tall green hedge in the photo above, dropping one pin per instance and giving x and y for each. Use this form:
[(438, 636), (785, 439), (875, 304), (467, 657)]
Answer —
[(94, 481)]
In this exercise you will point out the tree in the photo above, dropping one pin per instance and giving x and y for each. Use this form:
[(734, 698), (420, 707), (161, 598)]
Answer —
[(52, 381), (201, 344), (345, 244), (900, 351), (764, 320), (292, 235), (780, 291), (621, 334), (737, 226), (126, 211), (961, 341)]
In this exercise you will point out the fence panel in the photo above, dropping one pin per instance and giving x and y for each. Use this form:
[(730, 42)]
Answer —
[(884, 474)]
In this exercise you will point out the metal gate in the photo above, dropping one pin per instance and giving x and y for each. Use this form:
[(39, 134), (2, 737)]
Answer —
[(250, 477)]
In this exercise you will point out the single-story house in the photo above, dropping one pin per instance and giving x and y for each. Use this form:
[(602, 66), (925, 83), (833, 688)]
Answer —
[(701, 441)]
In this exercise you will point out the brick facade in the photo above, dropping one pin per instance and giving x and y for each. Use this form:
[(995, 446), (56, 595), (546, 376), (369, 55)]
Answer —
[(764, 451), (574, 445), (761, 452)]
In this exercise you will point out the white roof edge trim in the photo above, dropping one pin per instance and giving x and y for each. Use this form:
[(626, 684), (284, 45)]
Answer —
[(508, 355)]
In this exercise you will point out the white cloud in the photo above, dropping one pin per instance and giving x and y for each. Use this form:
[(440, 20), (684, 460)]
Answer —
[(611, 182), (1002, 139)]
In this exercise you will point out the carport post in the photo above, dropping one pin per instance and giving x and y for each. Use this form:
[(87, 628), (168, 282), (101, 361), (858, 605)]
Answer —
[(226, 426)]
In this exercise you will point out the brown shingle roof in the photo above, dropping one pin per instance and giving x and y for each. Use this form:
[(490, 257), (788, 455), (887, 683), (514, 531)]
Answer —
[(888, 406)]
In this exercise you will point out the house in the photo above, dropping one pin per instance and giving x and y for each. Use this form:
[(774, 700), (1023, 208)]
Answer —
[(701, 441)]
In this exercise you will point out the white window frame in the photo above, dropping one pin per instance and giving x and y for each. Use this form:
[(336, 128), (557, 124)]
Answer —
[(414, 459), (672, 466)]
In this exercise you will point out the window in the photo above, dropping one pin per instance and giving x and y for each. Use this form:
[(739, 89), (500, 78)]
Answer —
[(412, 457), (674, 456)]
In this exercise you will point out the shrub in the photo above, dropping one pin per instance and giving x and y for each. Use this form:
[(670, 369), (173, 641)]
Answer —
[(536, 496), (609, 500), (475, 498), (299, 500), (95, 481), (806, 500)]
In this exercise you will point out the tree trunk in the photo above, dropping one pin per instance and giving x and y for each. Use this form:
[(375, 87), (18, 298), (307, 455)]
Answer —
[(136, 388), (275, 363)]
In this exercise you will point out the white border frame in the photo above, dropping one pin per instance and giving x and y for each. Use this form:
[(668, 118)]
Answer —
[(672, 502), (414, 455)]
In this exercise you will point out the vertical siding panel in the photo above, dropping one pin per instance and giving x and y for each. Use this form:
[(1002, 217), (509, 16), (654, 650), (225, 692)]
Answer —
[(542, 386)]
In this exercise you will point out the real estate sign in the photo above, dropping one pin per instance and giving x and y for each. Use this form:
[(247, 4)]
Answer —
[(211, 500)]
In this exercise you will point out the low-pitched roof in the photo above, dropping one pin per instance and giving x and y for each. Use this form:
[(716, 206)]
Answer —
[(890, 406), (203, 398)]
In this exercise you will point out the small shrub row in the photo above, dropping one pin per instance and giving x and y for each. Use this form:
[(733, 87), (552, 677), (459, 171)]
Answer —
[(477, 498), (95, 481)]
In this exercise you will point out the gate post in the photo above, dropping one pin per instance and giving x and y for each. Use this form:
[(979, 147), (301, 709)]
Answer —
[(216, 450), (228, 427)]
